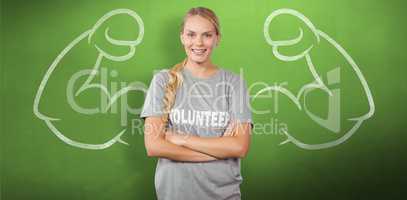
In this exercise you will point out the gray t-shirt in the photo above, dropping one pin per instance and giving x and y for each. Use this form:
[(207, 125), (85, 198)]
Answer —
[(203, 107)]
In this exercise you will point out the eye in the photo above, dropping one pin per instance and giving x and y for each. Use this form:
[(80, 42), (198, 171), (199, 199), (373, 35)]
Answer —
[(190, 34), (207, 35)]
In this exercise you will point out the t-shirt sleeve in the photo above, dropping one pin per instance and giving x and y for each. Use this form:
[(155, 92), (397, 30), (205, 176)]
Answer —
[(154, 101), (240, 102)]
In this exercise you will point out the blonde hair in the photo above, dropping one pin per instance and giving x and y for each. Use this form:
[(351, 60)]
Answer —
[(175, 76)]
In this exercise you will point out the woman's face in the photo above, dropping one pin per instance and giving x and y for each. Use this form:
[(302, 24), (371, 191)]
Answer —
[(199, 38)]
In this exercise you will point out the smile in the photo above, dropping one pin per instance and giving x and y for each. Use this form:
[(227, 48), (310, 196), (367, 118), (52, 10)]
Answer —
[(198, 51)]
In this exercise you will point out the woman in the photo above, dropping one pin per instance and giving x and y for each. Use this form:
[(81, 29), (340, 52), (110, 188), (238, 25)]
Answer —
[(197, 119)]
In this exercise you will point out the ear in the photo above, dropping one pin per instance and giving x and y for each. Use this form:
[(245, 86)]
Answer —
[(218, 37), (181, 37)]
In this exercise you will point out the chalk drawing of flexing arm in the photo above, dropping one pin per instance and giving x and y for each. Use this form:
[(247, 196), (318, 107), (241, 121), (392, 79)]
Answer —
[(88, 83), (317, 83)]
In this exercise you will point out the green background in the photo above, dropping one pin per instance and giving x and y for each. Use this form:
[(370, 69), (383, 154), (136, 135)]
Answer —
[(35, 164)]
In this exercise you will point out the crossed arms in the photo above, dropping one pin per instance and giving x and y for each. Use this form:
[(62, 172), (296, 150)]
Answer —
[(186, 147)]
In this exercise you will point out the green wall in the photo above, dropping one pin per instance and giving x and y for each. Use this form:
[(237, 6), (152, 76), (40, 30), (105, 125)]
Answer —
[(97, 152)]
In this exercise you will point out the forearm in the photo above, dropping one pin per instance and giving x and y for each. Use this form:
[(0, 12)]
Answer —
[(165, 149), (233, 144), (219, 147)]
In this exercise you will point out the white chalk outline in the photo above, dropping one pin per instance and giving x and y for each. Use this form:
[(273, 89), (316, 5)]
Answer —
[(317, 84), (102, 54)]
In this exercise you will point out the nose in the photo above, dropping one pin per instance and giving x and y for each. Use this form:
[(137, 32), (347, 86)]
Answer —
[(199, 41)]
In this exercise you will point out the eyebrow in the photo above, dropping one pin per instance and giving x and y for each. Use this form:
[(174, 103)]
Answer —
[(203, 32)]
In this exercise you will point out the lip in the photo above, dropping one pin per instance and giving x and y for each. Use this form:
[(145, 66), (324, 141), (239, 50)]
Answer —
[(199, 51)]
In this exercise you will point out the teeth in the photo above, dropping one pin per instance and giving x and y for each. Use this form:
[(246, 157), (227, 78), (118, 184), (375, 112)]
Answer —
[(198, 50)]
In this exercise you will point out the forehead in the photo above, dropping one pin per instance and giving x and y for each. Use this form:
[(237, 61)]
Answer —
[(198, 24)]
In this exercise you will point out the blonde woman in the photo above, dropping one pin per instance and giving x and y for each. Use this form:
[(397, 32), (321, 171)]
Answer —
[(197, 119)]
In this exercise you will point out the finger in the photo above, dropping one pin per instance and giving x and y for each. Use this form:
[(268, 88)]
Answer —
[(230, 130)]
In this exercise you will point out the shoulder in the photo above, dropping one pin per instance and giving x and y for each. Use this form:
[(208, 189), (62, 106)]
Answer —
[(232, 77), (160, 76)]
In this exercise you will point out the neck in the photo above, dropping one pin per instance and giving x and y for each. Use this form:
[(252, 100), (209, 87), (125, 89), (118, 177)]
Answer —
[(200, 67)]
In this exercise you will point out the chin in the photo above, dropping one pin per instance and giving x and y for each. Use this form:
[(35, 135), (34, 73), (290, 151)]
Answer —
[(198, 60)]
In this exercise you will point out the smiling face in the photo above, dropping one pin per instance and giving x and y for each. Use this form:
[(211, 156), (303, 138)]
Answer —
[(199, 38)]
